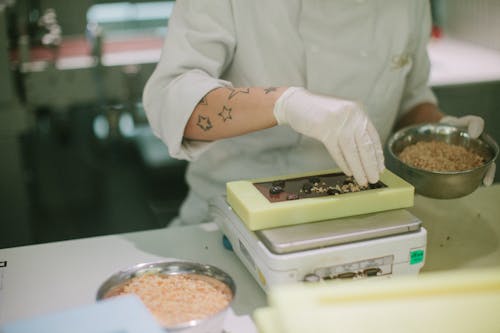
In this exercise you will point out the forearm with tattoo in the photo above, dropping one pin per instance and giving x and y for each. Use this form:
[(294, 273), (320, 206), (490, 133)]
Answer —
[(228, 112)]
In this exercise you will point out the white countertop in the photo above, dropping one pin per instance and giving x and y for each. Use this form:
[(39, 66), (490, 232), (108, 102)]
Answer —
[(47, 278), (458, 62), (37, 279), (453, 61)]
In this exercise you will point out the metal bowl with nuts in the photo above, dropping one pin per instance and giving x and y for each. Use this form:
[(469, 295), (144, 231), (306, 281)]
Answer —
[(183, 296), (445, 162)]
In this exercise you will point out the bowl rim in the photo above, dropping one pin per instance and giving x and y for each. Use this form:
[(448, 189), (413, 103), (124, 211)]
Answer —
[(484, 137), (190, 267)]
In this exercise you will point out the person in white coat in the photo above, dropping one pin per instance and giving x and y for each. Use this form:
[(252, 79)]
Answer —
[(249, 89)]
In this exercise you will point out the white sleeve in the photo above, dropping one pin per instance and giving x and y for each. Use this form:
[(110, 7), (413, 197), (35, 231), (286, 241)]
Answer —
[(198, 47), (417, 89)]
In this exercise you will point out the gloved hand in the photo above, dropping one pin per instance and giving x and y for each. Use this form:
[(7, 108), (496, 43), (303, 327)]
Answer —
[(475, 126), (341, 125)]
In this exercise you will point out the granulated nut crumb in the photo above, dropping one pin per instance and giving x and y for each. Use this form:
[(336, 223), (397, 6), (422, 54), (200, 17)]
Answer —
[(176, 299), (440, 156)]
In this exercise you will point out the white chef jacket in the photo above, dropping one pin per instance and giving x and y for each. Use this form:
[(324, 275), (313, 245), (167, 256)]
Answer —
[(370, 51)]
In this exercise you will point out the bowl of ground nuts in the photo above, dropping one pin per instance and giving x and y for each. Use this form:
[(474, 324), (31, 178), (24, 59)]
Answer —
[(439, 160), (185, 297)]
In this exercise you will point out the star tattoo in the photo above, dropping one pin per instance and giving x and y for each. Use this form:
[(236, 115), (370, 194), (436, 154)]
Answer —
[(270, 89), (204, 123), (234, 92), (225, 113)]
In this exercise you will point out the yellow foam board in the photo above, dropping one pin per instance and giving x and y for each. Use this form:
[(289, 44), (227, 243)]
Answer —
[(265, 320), (450, 301), (257, 212)]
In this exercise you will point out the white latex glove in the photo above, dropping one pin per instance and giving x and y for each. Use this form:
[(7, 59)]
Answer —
[(475, 126), (341, 125)]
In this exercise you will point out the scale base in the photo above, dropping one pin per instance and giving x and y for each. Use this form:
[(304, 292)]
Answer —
[(400, 253)]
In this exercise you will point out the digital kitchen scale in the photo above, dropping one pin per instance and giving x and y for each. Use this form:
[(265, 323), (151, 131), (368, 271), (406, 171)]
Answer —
[(321, 226), (378, 244)]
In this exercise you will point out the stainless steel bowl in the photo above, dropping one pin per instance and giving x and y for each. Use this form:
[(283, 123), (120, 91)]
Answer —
[(441, 185), (212, 324)]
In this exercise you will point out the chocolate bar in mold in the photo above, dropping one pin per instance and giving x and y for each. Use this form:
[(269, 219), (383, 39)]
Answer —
[(312, 187)]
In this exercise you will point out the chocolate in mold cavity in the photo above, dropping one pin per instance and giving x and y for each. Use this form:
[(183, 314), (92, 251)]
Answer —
[(312, 187)]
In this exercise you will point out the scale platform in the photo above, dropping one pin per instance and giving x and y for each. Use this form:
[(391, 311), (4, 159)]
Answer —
[(379, 244)]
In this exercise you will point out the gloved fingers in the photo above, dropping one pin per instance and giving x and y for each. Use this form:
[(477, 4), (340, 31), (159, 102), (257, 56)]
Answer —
[(474, 124), (368, 156), (490, 175), (338, 157), (350, 150), (379, 152), (454, 121)]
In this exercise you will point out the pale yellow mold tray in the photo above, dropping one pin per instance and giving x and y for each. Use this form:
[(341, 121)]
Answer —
[(458, 301), (309, 197)]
